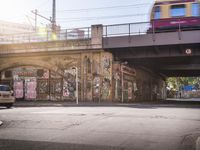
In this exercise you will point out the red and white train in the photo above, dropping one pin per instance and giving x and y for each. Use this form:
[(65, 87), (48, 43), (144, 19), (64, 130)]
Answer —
[(168, 15)]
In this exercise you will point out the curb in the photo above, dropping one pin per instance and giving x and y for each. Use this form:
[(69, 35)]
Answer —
[(1, 122)]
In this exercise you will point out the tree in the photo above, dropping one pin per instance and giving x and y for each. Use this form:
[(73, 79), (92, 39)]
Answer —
[(176, 83)]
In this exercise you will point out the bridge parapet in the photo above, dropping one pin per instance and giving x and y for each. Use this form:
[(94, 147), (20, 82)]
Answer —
[(43, 35), (46, 46), (78, 41)]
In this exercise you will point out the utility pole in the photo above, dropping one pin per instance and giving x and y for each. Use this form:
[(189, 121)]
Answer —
[(36, 11), (36, 14), (54, 16), (52, 20)]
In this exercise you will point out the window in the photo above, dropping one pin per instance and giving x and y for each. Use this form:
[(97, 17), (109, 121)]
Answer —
[(4, 88), (178, 10), (157, 13), (195, 9)]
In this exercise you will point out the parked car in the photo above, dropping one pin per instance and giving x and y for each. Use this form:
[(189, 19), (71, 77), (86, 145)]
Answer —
[(6, 96)]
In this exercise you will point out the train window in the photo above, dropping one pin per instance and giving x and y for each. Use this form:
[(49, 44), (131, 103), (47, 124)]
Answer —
[(178, 10), (157, 13), (195, 9)]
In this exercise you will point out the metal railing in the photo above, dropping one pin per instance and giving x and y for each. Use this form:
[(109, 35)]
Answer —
[(126, 29), (155, 26), (45, 36), (139, 28)]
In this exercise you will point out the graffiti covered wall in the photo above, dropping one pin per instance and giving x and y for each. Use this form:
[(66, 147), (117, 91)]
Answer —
[(106, 65), (53, 77), (96, 76), (124, 83)]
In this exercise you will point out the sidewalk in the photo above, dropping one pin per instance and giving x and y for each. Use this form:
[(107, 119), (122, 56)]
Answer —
[(184, 99), (48, 103)]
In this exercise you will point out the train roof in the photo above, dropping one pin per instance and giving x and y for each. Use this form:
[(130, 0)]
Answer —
[(159, 2), (175, 0)]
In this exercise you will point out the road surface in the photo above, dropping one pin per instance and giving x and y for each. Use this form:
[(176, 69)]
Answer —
[(128, 127)]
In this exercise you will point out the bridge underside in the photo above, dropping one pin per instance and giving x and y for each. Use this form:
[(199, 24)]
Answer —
[(184, 66), (168, 60)]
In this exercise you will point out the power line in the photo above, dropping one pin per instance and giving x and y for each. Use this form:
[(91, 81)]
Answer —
[(100, 17), (102, 8), (42, 4)]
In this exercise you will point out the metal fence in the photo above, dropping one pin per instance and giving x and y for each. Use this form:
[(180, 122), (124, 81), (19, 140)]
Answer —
[(44, 36), (126, 29), (155, 26)]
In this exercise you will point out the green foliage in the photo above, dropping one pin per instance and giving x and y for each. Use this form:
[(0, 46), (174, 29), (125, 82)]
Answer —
[(176, 83)]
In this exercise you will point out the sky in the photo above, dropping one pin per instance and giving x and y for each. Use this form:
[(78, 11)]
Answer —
[(76, 13)]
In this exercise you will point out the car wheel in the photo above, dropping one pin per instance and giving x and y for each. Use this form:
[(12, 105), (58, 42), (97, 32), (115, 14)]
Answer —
[(9, 105)]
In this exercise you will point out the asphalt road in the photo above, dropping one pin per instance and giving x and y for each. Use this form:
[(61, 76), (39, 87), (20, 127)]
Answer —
[(128, 127)]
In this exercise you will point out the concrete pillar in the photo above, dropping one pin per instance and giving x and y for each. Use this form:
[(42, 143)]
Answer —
[(96, 36)]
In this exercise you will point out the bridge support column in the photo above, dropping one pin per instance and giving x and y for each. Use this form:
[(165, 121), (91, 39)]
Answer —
[(151, 86), (96, 36)]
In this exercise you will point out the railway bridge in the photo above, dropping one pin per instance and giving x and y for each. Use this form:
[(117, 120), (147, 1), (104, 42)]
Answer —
[(100, 63)]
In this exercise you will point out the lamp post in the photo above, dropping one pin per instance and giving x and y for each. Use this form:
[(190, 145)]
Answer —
[(122, 83), (76, 69)]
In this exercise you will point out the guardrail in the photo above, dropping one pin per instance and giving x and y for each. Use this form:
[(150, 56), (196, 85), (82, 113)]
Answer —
[(155, 26), (126, 29), (45, 36)]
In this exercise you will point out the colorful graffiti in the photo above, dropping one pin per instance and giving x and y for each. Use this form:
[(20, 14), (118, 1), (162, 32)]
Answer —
[(107, 77), (87, 78), (106, 89), (95, 78), (18, 88), (96, 65), (106, 64), (43, 86), (96, 86), (69, 83), (117, 85), (30, 88)]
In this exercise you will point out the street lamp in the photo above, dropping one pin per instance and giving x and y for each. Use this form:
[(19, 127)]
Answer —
[(76, 69), (121, 65)]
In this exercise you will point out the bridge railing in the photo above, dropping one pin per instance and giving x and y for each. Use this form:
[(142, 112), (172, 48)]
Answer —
[(44, 36), (139, 28), (126, 29), (155, 26)]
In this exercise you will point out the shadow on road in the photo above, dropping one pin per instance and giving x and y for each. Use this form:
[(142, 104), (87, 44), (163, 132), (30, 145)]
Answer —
[(38, 145)]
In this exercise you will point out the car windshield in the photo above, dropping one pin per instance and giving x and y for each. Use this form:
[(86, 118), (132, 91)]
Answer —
[(4, 88)]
